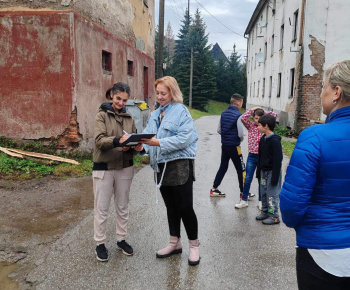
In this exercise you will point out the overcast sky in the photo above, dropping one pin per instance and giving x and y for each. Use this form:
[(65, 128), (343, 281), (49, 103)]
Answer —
[(232, 18)]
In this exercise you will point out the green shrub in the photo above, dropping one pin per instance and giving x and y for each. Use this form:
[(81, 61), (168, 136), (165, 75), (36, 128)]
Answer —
[(288, 147), (281, 130)]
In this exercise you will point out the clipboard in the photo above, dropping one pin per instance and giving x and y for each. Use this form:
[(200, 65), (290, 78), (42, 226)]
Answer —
[(135, 139)]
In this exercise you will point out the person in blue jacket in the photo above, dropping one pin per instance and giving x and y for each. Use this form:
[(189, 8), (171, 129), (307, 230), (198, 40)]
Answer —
[(315, 198), (231, 131), (172, 153)]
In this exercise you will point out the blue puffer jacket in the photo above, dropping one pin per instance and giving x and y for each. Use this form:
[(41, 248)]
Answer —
[(315, 198), (177, 135), (228, 122)]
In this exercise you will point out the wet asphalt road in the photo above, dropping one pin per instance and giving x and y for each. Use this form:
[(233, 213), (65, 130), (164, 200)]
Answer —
[(237, 252)]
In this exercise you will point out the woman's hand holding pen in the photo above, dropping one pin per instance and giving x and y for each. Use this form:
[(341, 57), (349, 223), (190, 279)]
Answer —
[(151, 142), (123, 138)]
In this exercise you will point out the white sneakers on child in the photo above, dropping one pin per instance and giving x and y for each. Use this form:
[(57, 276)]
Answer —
[(242, 204)]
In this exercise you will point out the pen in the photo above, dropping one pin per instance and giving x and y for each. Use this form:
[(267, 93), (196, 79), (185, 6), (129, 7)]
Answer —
[(125, 132)]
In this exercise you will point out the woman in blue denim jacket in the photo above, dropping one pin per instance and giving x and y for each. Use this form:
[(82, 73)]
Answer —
[(172, 152)]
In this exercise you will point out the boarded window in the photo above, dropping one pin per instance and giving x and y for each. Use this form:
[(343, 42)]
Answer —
[(295, 30), (106, 61), (292, 77), (279, 85), (272, 44), (130, 68), (263, 89), (281, 37)]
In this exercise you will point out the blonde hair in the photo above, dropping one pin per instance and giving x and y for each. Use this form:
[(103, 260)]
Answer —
[(338, 74), (172, 85)]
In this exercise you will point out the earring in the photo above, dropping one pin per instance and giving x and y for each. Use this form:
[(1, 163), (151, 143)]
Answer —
[(334, 102)]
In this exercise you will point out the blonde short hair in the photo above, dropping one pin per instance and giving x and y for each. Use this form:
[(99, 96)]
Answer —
[(172, 85), (338, 74)]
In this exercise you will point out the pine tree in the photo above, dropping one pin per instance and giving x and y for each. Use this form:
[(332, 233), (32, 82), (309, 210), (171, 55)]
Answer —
[(237, 74), (182, 57), (204, 80), (223, 81), (169, 47)]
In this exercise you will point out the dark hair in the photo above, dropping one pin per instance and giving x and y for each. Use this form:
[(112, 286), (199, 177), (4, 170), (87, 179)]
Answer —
[(236, 97), (120, 87), (108, 94), (268, 120), (259, 112)]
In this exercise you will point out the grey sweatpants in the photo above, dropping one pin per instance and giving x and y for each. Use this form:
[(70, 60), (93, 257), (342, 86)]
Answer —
[(107, 183), (270, 194)]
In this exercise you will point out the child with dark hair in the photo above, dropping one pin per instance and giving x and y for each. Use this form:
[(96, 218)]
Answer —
[(253, 146), (269, 170)]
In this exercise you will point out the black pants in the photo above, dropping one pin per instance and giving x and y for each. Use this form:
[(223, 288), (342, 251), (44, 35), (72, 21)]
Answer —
[(312, 277), (179, 203), (234, 153)]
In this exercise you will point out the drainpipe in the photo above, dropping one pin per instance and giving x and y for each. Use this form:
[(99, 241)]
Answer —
[(246, 71), (301, 71)]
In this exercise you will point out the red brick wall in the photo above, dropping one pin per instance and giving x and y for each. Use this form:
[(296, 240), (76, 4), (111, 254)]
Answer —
[(310, 87)]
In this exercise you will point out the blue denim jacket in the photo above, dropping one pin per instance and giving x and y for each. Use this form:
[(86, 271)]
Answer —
[(177, 135)]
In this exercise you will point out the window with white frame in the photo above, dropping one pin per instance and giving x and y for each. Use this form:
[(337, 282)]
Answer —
[(270, 87)]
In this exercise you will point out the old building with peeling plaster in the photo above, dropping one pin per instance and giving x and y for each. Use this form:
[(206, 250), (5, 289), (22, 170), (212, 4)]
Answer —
[(58, 57), (290, 44)]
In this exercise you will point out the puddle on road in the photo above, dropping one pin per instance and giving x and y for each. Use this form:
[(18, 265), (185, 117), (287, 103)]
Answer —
[(7, 283)]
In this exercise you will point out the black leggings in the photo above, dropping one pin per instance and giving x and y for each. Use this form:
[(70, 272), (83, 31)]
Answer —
[(312, 277), (179, 203)]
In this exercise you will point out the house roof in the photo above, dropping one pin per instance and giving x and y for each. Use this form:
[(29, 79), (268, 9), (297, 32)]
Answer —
[(218, 53), (255, 15)]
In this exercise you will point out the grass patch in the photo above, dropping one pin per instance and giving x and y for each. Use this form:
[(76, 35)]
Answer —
[(22, 169), (288, 147), (140, 160), (66, 170), (213, 108)]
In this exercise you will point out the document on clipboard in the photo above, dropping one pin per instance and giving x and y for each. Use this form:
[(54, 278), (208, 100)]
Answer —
[(135, 139)]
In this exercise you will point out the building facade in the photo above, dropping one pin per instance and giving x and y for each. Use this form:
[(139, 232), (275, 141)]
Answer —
[(59, 57), (290, 44)]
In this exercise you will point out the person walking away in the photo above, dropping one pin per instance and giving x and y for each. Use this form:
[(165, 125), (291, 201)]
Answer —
[(230, 145), (113, 169), (315, 197), (254, 137), (269, 170), (172, 154)]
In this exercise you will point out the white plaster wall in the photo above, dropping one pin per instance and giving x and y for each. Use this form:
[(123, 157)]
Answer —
[(316, 27), (330, 28), (281, 61)]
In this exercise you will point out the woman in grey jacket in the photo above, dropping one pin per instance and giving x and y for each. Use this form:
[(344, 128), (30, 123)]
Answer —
[(172, 153)]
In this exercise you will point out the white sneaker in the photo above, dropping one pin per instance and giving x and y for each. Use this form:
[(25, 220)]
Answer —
[(260, 205), (241, 204)]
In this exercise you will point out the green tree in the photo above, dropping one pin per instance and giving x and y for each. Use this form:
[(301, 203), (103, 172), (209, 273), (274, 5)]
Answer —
[(192, 35), (223, 81), (238, 78), (204, 79), (169, 47), (182, 57)]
